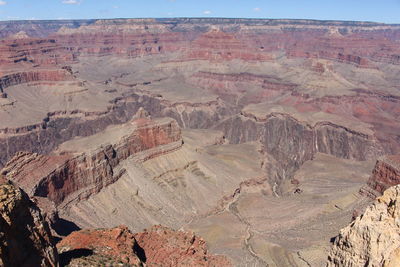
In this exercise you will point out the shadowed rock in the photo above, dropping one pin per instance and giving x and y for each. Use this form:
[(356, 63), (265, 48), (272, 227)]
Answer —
[(25, 238)]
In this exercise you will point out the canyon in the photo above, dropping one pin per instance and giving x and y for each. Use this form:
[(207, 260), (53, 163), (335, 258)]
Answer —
[(260, 136)]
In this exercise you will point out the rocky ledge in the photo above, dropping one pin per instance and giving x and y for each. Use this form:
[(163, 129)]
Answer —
[(83, 166), (25, 238), (372, 239), (385, 174), (158, 246)]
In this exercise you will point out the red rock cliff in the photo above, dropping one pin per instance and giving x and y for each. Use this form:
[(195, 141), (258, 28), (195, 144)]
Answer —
[(385, 174), (68, 177)]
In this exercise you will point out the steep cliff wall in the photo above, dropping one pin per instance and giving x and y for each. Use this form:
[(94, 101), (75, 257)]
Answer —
[(292, 142), (385, 174), (89, 167), (55, 129), (373, 238), (27, 53), (25, 238), (58, 127), (217, 41), (32, 76)]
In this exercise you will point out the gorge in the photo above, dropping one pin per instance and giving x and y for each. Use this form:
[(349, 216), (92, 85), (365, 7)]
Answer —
[(251, 141)]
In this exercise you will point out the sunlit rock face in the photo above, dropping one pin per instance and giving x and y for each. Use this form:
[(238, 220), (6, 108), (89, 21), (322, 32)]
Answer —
[(372, 239), (228, 127), (386, 173)]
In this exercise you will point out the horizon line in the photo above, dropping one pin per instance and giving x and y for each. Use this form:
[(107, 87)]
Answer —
[(221, 18)]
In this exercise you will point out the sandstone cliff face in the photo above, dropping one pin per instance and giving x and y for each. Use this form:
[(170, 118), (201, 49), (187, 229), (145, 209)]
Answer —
[(74, 176), (33, 76), (216, 45), (25, 238), (373, 238), (385, 174)]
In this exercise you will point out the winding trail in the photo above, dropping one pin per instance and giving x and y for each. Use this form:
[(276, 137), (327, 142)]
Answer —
[(231, 208)]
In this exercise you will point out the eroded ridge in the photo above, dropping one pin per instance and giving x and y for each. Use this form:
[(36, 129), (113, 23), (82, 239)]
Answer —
[(83, 167)]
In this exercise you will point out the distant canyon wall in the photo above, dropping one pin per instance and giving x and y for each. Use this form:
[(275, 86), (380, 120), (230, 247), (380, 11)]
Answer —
[(291, 142)]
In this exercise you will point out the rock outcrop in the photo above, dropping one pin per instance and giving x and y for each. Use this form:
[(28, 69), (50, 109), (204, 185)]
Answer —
[(25, 77), (83, 168), (373, 238), (25, 238), (292, 142), (163, 246), (58, 127), (158, 246), (102, 246), (318, 84), (386, 173), (54, 50)]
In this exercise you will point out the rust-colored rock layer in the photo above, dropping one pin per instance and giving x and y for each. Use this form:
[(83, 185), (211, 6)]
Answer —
[(385, 174), (69, 177), (158, 246)]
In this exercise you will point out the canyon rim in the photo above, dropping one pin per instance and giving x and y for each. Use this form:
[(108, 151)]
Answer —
[(199, 142)]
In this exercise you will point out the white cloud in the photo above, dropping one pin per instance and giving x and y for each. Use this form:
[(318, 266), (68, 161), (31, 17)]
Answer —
[(2, 3), (71, 2), (207, 12), (256, 9)]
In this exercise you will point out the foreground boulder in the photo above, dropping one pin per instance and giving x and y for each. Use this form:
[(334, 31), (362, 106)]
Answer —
[(158, 246), (372, 239), (25, 238), (165, 247), (103, 246)]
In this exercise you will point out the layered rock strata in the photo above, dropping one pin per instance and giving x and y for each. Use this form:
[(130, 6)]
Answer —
[(385, 174), (292, 142), (327, 49), (26, 240), (58, 127), (25, 237), (373, 238), (77, 172), (32, 76)]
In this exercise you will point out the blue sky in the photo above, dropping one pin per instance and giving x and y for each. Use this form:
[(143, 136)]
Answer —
[(387, 11)]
